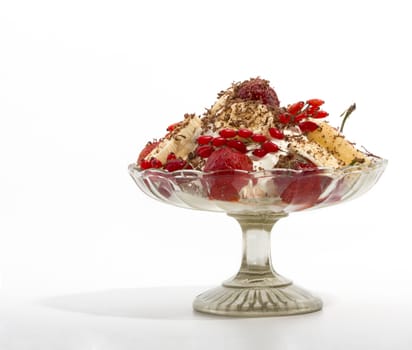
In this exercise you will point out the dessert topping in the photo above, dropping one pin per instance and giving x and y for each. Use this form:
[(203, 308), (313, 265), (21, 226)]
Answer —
[(257, 90), (227, 133), (276, 133), (307, 126), (315, 102)]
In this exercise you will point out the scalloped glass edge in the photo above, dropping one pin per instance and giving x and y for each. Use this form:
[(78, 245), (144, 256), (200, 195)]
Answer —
[(376, 162), (166, 187)]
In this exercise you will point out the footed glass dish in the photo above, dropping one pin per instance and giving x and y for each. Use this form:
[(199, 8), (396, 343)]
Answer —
[(257, 200)]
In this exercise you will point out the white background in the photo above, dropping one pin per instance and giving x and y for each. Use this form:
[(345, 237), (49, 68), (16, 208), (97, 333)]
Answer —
[(85, 84)]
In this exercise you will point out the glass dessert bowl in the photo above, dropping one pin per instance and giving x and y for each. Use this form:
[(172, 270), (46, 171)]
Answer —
[(257, 200)]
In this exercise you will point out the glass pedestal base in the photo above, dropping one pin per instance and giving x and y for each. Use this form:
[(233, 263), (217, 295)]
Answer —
[(257, 301), (257, 289)]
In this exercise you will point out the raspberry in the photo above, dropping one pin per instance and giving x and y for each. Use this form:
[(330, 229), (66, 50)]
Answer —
[(257, 89)]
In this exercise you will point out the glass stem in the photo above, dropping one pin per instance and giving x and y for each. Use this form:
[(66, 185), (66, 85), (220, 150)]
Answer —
[(256, 266)]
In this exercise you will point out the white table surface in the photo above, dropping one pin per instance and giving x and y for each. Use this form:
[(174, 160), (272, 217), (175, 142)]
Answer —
[(143, 319)]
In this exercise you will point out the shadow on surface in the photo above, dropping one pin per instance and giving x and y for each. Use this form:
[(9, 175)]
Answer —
[(167, 303), (148, 303)]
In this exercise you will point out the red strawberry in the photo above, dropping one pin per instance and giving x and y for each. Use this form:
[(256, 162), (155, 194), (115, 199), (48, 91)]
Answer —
[(150, 146), (228, 158), (257, 90), (226, 184), (305, 188)]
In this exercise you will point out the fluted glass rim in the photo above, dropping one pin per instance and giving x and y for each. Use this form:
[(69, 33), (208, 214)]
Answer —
[(199, 190), (376, 162)]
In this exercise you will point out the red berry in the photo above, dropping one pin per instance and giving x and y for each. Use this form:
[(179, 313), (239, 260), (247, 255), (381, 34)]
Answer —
[(204, 151), (175, 164), (257, 90), (307, 126), (300, 117), (227, 133), (259, 138), (270, 147), (245, 133), (259, 152), (204, 139), (320, 114), (296, 107), (218, 141), (311, 110), (146, 150), (276, 133), (285, 118), (238, 145), (155, 163), (145, 164), (315, 102), (171, 156)]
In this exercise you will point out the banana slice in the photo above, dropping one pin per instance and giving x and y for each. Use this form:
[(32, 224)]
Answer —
[(314, 152), (181, 141), (332, 140)]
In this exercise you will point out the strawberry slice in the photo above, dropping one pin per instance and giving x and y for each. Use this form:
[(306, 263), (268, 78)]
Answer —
[(226, 184), (150, 146)]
